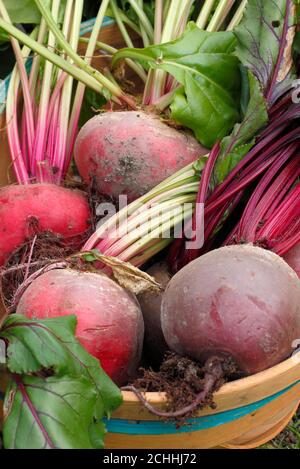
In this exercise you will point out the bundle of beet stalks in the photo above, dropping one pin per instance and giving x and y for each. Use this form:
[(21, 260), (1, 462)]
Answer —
[(263, 187), (267, 178)]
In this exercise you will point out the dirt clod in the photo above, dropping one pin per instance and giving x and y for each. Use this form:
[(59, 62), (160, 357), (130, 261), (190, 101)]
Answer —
[(183, 379), (38, 251)]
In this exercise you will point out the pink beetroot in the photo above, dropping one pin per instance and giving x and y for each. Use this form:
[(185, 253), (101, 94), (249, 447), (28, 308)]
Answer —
[(109, 320), (131, 152), (239, 301), (37, 208)]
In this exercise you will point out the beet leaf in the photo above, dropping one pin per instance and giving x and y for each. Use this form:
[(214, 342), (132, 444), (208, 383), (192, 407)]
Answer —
[(204, 64), (235, 146), (264, 46), (58, 393), (49, 413), (265, 38)]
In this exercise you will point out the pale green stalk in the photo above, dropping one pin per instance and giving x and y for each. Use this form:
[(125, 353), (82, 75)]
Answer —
[(160, 232), (145, 37), (107, 234), (72, 33), (68, 23), (158, 21), (81, 63), (136, 227), (205, 13), (120, 24), (126, 36), (166, 9), (238, 16), (146, 254), (175, 191), (164, 101), (79, 95), (37, 168), (29, 118), (164, 189), (112, 50), (78, 74), (20, 166), (220, 15), (129, 22), (157, 79), (35, 67), (170, 21), (144, 20), (143, 232), (182, 18), (152, 74), (109, 75)]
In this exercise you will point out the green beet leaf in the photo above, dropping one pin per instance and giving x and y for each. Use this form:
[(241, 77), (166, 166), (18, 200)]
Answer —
[(265, 39), (27, 12), (49, 413), (235, 146), (23, 11), (35, 345), (203, 63), (47, 350)]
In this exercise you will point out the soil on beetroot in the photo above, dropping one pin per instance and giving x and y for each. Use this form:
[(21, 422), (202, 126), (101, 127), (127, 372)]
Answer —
[(95, 199), (183, 379), (37, 252)]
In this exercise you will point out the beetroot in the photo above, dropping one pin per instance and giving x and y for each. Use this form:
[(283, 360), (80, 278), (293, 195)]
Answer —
[(293, 259), (131, 152), (38, 208), (109, 320), (238, 301), (155, 345)]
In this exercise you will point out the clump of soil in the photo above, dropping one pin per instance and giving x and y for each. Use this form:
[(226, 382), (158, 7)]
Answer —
[(95, 199), (187, 384)]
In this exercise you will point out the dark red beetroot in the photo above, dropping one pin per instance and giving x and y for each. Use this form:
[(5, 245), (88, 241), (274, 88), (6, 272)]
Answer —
[(154, 344), (131, 152), (239, 301), (110, 324), (38, 208), (293, 259)]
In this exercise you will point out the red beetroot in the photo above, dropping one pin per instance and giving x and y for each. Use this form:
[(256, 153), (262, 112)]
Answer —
[(241, 301), (109, 320), (293, 259), (131, 152), (38, 208)]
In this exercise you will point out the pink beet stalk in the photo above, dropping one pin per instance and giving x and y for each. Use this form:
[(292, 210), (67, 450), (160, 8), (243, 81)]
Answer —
[(41, 150)]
